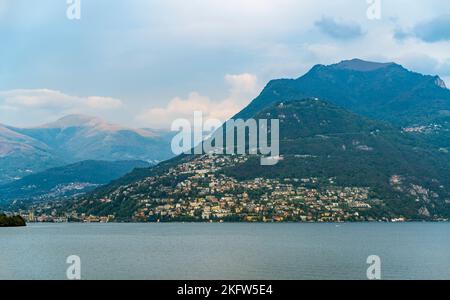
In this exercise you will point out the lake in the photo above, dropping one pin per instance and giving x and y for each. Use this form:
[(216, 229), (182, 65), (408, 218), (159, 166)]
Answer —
[(226, 251)]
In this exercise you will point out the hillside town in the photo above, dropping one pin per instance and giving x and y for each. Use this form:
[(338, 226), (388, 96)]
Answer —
[(199, 191)]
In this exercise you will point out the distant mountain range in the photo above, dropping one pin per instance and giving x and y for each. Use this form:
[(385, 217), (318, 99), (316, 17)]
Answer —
[(75, 138), (63, 182), (373, 127)]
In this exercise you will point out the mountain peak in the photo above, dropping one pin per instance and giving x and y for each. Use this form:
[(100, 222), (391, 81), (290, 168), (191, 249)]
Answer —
[(361, 65), (95, 124)]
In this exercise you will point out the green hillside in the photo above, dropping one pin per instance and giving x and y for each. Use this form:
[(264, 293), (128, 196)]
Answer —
[(321, 140), (321, 143)]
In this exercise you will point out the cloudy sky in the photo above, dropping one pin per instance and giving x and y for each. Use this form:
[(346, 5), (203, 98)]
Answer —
[(144, 63)]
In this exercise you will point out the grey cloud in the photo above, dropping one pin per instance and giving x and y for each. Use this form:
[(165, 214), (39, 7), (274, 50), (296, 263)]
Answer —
[(434, 30), (339, 29)]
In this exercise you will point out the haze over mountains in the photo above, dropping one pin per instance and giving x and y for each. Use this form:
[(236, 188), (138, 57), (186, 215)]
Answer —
[(355, 124), (66, 181), (76, 138)]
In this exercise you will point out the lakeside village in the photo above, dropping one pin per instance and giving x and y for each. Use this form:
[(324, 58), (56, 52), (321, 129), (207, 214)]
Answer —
[(196, 191)]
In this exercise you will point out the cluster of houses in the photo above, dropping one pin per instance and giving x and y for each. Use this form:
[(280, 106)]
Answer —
[(198, 191)]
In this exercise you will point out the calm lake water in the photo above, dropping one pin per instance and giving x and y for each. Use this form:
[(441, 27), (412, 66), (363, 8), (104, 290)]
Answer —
[(226, 251)]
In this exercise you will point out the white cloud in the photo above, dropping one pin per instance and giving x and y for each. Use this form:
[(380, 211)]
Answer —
[(41, 98), (50, 99), (242, 89), (242, 83), (46, 104), (167, 46), (103, 102)]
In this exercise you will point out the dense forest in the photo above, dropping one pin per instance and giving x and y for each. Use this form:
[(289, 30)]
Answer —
[(15, 221)]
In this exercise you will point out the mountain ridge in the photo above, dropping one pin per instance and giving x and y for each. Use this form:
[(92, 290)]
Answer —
[(76, 138), (350, 151), (361, 65), (388, 93), (319, 142)]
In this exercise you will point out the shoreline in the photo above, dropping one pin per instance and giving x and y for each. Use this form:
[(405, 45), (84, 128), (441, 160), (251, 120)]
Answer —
[(261, 223)]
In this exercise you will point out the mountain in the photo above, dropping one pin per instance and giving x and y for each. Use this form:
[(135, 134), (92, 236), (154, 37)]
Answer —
[(358, 142), (62, 182), (20, 155), (80, 137), (76, 138), (323, 148), (382, 91), (321, 140)]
